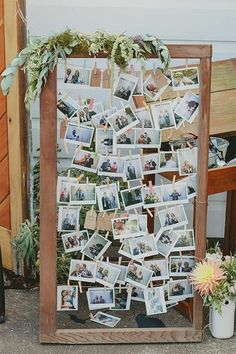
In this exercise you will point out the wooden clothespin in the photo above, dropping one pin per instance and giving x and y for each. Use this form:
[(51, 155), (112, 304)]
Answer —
[(91, 211), (108, 182), (189, 145), (107, 260), (95, 68), (119, 260), (130, 154), (104, 214), (107, 153), (186, 64), (87, 181), (91, 316), (80, 177), (151, 284), (128, 184), (149, 212), (146, 106), (80, 287), (150, 186), (68, 176), (106, 235), (173, 181), (68, 282), (155, 211), (115, 213), (136, 211), (66, 147)]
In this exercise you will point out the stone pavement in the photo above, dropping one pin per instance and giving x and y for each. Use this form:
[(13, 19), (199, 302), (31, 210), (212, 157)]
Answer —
[(19, 335)]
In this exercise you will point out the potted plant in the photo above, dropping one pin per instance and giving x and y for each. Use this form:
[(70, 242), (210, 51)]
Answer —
[(214, 279)]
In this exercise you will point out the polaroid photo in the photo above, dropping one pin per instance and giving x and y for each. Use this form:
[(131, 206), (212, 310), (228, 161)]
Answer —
[(67, 105), (99, 120), (85, 160), (123, 120), (165, 241), (143, 223), (185, 241), (137, 294), (122, 299), (138, 90), (104, 140), (88, 111), (125, 86), (68, 218), (77, 76), (125, 140), (107, 196), (100, 298), (181, 266), (169, 303), (105, 319), (82, 193), (138, 275), (168, 161), (188, 107), (106, 274), (187, 161), (178, 119), (154, 301), (133, 168), (176, 193), (147, 138), (122, 275), (144, 117), (75, 241), (132, 198), (81, 135), (163, 116), (185, 78), (63, 189), (67, 298), (151, 196), (125, 249), (82, 270), (180, 289), (142, 247), (112, 166), (125, 227), (159, 268), (150, 163), (173, 217), (154, 86), (191, 182), (96, 246)]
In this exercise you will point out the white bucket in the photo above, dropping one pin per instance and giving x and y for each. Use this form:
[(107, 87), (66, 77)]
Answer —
[(222, 325)]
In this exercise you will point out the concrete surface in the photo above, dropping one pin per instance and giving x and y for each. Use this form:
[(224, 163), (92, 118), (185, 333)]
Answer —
[(19, 334)]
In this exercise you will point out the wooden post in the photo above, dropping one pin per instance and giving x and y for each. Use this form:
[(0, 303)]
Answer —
[(201, 200), (48, 210)]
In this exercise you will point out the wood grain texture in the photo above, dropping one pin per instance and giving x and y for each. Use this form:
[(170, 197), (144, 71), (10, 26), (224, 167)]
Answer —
[(5, 244), (3, 103), (124, 335), (5, 220), (48, 211), (4, 179), (3, 138), (202, 179)]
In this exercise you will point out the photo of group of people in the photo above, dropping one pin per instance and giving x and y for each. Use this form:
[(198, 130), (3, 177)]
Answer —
[(159, 267), (182, 79), (185, 241), (165, 241), (141, 247), (138, 275), (75, 241), (181, 265), (82, 193), (106, 274), (123, 120), (172, 217), (99, 120)]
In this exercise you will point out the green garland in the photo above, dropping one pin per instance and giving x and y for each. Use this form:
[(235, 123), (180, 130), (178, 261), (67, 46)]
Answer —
[(41, 55)]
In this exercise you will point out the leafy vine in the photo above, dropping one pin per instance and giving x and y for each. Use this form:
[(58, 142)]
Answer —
[(42, 54)]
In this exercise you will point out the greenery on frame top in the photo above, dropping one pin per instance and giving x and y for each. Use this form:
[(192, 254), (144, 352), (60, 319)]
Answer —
[(41, 55)]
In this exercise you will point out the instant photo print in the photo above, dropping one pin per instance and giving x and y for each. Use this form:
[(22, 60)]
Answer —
[(85, 160), (81, 270), (67, 298)]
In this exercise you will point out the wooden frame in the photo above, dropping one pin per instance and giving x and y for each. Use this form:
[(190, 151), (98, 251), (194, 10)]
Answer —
[(48, 127)]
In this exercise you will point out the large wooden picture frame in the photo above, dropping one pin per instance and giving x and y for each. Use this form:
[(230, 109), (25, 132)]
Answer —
[(48, 216)]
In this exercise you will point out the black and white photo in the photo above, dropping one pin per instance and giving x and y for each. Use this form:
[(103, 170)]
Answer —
[(125, 86), (123, 120), (107, 196), (96, 246)]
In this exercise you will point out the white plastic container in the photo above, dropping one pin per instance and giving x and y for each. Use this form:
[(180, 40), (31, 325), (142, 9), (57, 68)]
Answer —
[(222, 325)]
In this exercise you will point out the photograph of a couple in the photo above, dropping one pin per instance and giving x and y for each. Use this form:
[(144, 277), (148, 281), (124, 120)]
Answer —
[(82, 270), (138, 275), (75, 241), (159, 268), (67, 106), (108, 198), (127, 138), (99, 298), (123, 120), (125, 86), (96, 246), (111, 166), (105, 319), (142, 247), (188, 107), (185, 241), (68, 218), (67, 298), (154, 301), (85, 160), (148, 137), (150, 164), (82, 193), (106, 274), (77, 76), (163, 116)]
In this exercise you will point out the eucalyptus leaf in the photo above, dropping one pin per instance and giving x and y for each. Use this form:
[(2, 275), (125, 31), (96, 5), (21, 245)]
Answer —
[(7, 71)]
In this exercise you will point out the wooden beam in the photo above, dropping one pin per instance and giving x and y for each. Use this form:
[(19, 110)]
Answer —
[(7, 254), (12, 27), (48, 208), (230, 223), (123, 335), (201, 199)]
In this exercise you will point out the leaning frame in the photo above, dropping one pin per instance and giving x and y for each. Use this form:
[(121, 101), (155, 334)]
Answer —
[(48, 228)]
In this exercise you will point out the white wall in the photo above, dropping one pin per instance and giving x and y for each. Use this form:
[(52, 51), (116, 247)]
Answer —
[(185, 21)]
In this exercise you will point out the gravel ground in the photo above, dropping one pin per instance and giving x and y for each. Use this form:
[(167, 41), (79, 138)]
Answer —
[(19, 334)]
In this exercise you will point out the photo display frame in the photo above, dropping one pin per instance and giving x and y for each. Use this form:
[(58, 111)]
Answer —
[(49, 333)]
